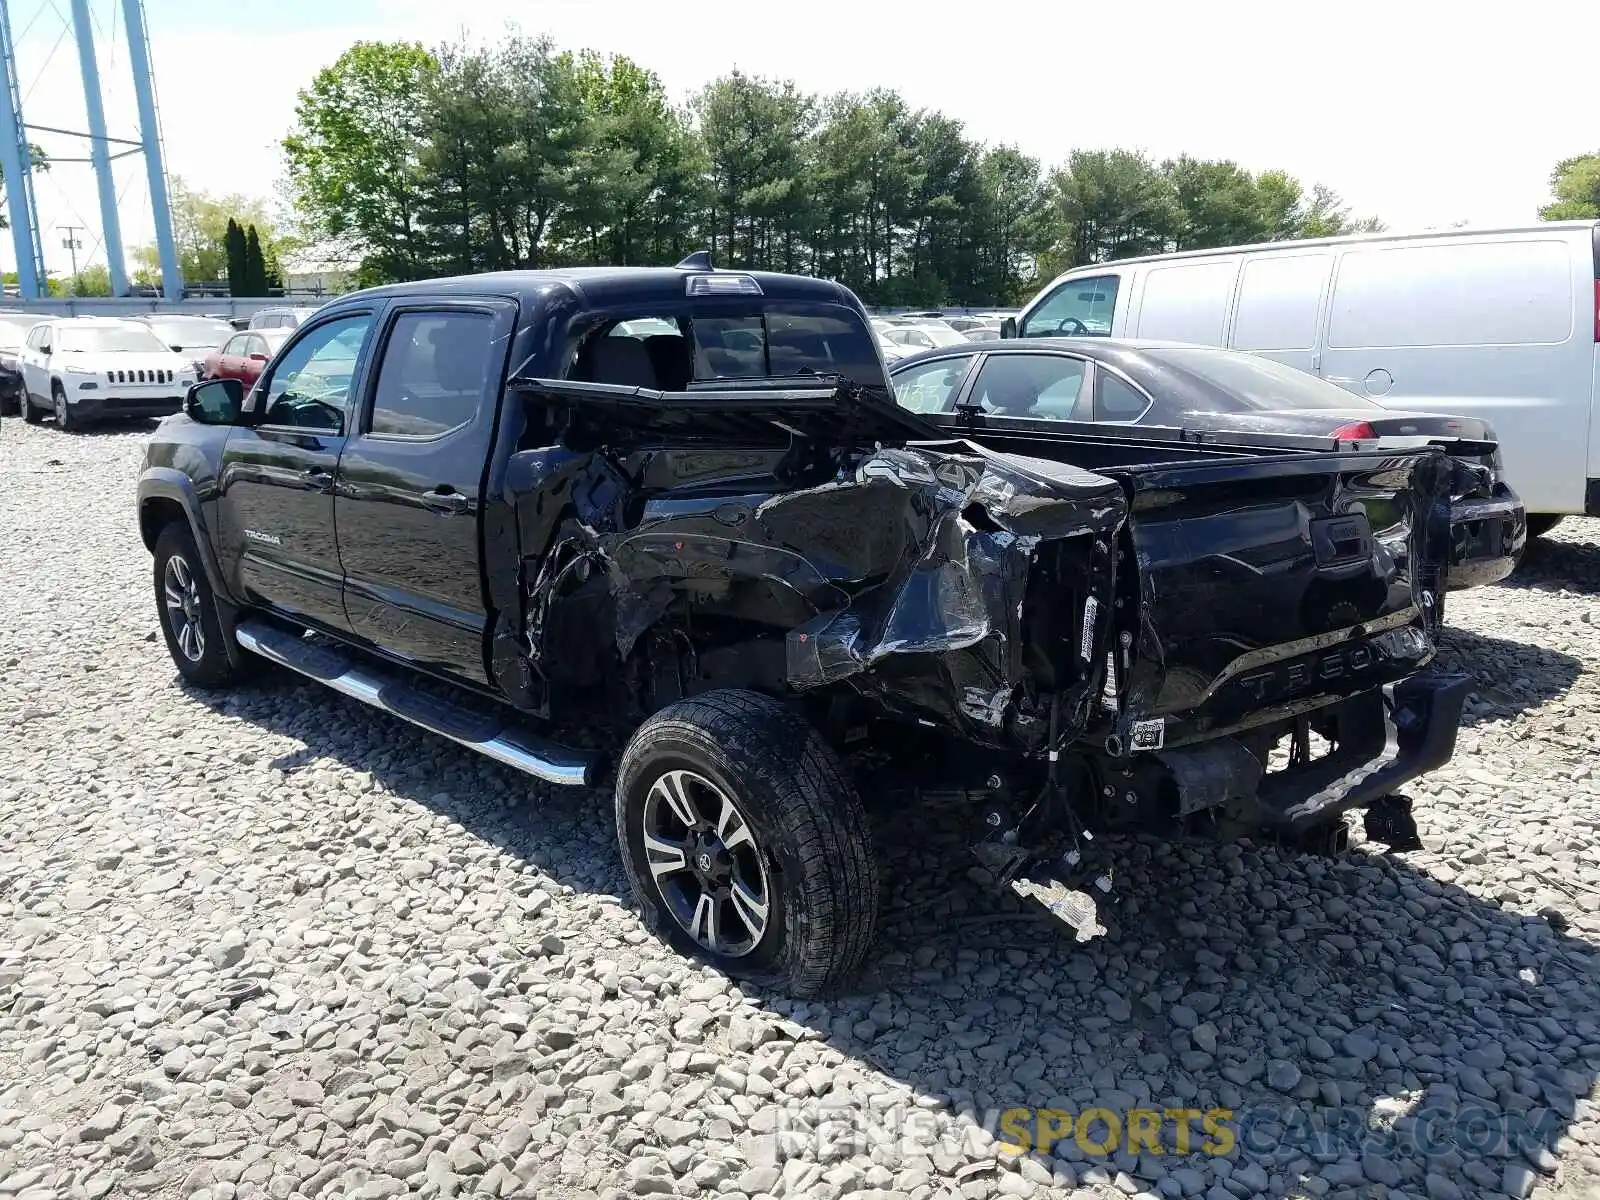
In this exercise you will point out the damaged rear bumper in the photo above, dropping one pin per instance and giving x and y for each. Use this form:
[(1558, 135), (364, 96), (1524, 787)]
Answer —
[(1421, 716), (1487, 536)]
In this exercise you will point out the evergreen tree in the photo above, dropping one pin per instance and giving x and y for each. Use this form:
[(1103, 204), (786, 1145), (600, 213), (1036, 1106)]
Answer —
[(234, 242), (255, 265)]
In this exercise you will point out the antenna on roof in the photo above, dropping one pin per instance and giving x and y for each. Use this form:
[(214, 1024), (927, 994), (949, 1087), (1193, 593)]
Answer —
[(700, 260)]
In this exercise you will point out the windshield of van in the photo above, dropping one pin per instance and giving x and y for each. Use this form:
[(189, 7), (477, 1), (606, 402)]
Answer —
[(1077, 307), (1247, 382)]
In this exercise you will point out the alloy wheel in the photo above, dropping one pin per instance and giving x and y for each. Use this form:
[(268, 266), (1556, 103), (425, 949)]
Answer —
[(182, 593), (706, 863)]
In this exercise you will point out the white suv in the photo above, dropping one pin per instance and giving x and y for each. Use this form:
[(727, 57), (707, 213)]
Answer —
[(90, 368)]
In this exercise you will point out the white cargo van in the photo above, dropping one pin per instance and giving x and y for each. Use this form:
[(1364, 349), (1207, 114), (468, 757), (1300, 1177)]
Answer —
[(1499, 324)]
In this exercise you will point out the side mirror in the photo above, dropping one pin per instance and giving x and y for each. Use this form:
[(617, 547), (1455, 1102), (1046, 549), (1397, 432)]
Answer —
[(215, 402), (45, 349), (259, 358), (1008, 327)]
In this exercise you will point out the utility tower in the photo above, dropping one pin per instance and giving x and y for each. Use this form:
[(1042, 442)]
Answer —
[(16, 159)]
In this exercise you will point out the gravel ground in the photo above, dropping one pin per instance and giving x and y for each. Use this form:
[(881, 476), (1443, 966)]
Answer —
[(277, 944)]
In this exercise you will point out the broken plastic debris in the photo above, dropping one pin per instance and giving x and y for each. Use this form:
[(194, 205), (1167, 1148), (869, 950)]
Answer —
[(1075, 908)]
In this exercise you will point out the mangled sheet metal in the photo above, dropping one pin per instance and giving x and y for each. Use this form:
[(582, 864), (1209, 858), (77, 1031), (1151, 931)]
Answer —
[(905, 576)]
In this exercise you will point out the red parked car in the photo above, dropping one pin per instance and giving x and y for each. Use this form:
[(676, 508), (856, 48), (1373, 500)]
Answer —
[(243, 356)]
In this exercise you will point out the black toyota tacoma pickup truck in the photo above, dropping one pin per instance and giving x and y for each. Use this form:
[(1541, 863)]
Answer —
[(667, 529)]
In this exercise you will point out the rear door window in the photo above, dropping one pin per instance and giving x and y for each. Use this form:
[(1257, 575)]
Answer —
[(1078, 306), (434, 373), (1116, 400), (1042, 386)]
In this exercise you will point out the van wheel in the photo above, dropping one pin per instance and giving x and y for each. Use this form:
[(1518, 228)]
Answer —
[(188, 611), (1540, 524), (746, 843), (30, 414)]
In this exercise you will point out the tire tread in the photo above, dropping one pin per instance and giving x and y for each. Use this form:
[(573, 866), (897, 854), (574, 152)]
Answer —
[(816, 803)]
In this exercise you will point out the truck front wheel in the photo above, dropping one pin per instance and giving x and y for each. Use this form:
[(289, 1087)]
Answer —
[(746, 843), (188, 612)]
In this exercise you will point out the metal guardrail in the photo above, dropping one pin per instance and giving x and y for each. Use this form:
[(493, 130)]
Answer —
[(127, 306)]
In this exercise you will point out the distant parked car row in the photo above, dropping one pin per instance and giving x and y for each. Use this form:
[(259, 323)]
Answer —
[(84, 369), (909, 333)]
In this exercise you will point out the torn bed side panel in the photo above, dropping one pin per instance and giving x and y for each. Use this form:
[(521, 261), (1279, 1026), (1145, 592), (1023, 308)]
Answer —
[(913, 575), (946, 637)]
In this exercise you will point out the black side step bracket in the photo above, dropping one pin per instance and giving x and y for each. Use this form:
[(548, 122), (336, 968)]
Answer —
[(487, 732)]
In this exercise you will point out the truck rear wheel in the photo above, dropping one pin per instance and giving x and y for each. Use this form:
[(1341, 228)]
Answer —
[(746, 843), (188, 611)]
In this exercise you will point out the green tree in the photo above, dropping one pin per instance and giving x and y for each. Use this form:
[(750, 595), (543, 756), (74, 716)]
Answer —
[(255, 264), (353, 156), (92, 280), (1575, 184), (1114, 204), (638, 194), (757, 143), (200, 234), (234, 246), (1217, 204)]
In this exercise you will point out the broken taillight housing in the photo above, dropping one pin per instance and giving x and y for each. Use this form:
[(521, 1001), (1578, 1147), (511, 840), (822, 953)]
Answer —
[(1355, 431)]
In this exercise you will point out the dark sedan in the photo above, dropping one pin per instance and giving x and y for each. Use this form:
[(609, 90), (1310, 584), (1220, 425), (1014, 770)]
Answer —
[(1196, 389)]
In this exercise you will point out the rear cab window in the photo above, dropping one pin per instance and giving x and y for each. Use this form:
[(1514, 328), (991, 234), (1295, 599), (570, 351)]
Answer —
[(715, 344)]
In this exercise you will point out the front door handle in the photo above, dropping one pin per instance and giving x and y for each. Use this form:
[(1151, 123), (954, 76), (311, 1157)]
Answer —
[(442, 501), (317, 479)]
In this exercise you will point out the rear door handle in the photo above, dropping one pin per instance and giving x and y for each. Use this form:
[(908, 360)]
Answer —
[(443, 501), (317, 479)]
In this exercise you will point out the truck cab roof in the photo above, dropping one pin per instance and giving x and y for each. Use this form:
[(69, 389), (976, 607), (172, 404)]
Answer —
[(603, 287)]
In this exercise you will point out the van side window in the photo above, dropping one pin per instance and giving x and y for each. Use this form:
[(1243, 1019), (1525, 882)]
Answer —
[(1078, 306)]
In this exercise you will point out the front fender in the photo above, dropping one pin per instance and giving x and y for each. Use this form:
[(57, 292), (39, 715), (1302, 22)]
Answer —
[(167, 494)]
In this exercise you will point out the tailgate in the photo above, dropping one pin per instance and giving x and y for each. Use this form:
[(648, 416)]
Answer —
[(1268, 586)]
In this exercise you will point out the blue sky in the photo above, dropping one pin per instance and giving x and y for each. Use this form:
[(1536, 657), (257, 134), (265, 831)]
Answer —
[(1421, 111)]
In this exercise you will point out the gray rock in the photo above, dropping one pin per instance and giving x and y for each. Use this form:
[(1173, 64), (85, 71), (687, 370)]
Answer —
[(1518, 1180), (1282, 1075), (106, 1121)]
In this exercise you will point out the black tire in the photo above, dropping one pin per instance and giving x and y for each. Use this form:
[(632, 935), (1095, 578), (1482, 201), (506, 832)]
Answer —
[(204, 664), (11, 407), (63, 410), (809, 829), (30, 413), (1540, 524)]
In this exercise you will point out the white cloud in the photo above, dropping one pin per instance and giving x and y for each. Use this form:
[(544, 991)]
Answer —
[(1421, 112)]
